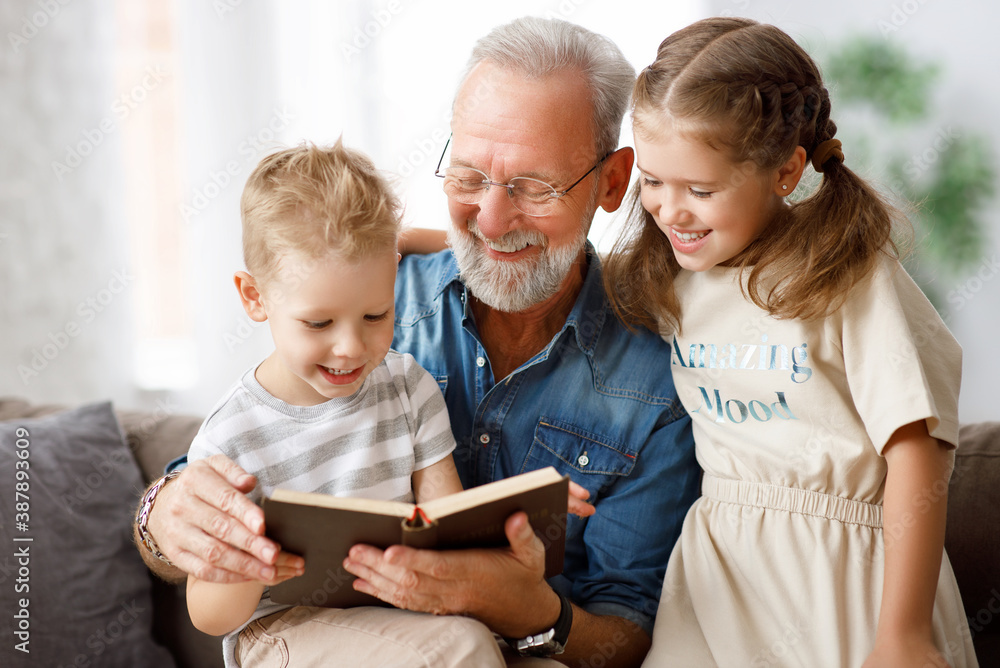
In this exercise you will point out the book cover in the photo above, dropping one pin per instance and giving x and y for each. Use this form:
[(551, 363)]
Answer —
[(322, 528)]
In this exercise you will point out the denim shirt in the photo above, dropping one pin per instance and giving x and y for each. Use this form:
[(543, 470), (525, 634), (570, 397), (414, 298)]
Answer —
[(598, 403)]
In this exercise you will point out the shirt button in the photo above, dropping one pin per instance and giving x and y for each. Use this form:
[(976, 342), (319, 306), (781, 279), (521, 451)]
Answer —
[(480, 362), (484, 439), (583, 459)]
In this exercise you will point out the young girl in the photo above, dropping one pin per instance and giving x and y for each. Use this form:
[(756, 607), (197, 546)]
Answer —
[(822, 385)]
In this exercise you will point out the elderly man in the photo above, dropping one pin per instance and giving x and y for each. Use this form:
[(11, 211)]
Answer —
[(535, 369)]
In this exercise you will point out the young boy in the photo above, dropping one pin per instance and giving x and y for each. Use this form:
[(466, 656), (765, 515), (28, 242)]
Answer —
[(332, 409)]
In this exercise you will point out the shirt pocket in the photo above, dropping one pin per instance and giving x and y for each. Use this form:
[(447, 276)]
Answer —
[(441, 380), (595, 461)]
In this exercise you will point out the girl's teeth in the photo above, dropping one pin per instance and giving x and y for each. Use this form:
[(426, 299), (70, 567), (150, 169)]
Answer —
[(338, 372), (685, 236)]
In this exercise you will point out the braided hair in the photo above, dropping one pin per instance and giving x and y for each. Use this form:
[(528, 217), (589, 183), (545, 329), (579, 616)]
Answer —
[(748, 90)]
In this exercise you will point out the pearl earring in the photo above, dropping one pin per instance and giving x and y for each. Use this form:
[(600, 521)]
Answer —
[(784, 187)]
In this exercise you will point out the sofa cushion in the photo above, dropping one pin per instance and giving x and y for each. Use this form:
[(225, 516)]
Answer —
[(157, 437), (972, 540), (82, 601)]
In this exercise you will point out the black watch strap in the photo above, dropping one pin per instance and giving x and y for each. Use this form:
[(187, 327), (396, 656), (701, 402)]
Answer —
[(552, 641)]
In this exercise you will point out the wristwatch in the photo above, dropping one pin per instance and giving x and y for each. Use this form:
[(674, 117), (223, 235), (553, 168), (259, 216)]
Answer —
[(548, 642), (142, 517)]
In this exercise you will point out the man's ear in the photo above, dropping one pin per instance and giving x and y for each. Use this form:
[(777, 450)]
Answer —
[(615, 175), (250, 296)]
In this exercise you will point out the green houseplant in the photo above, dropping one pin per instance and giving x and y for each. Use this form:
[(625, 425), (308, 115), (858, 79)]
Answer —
[(894, 133)]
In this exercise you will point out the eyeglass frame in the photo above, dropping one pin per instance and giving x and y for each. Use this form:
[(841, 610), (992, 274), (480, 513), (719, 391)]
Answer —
[(557, 194)]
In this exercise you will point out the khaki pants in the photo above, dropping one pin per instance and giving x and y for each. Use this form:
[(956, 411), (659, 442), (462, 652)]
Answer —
[(371, 637)]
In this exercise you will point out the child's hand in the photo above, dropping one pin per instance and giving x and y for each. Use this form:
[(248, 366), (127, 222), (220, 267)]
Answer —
[(905, 653), (577, 504), (284, 569)]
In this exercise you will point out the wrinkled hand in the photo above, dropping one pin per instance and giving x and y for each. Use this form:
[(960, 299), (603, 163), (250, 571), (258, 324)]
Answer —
[(578, 501), (205, 525), (503, 587)]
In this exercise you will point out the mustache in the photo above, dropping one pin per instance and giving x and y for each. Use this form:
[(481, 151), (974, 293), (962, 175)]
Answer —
[(513, 238)]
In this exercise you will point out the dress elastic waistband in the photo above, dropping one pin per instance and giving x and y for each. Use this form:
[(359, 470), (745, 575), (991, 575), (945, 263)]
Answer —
[(793, 500)]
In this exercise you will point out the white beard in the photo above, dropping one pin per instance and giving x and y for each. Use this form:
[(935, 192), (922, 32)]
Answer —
[(513, 286)]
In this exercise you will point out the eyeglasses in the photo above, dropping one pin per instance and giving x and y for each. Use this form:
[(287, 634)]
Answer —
[(529, 196)]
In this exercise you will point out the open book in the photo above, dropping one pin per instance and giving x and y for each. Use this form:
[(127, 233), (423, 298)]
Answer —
[(322, 528)]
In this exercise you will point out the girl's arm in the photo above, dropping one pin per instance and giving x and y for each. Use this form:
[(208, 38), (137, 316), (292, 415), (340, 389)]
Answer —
[(422, 241), (217, 609), (914, 514)]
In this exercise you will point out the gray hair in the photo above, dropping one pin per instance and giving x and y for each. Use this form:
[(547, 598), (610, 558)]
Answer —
[(536, 47)]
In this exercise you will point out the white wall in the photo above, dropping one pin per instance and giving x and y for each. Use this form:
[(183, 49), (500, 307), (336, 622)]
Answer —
[(65, 275)]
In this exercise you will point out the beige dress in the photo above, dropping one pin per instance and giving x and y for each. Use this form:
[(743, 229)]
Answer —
[(780, 561)]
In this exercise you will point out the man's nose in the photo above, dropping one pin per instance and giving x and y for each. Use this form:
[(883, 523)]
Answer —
[(497, 214)]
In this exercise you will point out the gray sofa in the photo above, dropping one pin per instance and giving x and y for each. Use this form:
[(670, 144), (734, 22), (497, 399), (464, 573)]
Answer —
[(973, 540)]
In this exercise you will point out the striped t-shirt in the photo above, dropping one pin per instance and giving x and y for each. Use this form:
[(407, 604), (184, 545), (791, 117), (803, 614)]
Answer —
[(366, 445)]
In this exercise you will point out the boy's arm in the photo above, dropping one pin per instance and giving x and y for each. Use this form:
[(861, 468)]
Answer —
[(217, 609), (422, 241), (437, 480)]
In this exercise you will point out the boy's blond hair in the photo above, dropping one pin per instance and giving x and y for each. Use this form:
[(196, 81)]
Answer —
[(313, 201)]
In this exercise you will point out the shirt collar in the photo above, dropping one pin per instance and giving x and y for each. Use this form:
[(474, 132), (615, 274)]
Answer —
[(588, 313), (590, 310)]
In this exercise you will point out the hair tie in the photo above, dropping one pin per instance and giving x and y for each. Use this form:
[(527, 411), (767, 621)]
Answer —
[(828, 149)]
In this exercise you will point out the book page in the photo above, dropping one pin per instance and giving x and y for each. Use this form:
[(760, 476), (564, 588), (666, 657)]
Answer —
[(492, 491), (376, 506)]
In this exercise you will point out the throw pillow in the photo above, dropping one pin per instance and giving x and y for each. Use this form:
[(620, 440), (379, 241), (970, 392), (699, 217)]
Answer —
[(75, 592)]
